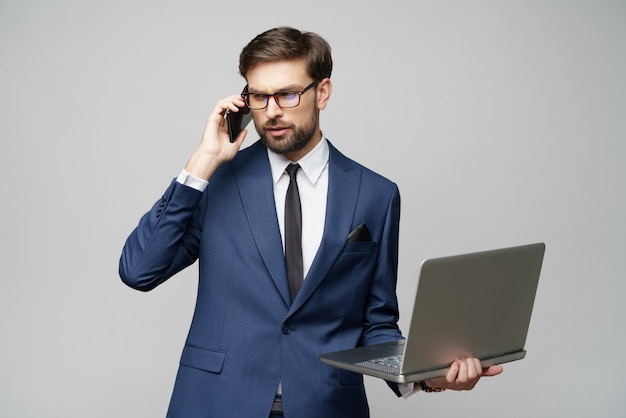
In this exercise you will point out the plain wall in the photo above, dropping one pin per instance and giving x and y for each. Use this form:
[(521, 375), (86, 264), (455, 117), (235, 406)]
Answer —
[(503, 123)]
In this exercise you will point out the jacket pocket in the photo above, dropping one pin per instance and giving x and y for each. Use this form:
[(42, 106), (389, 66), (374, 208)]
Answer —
[(203, 359), (360, 247)]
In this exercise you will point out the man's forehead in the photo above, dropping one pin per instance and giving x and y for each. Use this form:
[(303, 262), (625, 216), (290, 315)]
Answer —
[(278, 76)]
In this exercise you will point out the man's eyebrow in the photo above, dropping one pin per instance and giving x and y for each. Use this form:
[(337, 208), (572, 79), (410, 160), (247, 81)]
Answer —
[(291, 87)]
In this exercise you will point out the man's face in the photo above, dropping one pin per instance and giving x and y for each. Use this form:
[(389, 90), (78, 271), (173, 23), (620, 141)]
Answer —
[(289, 131)]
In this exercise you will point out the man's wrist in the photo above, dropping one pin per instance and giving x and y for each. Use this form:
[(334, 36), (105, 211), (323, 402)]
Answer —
[(428, 389), (202, 165), (192, 181)]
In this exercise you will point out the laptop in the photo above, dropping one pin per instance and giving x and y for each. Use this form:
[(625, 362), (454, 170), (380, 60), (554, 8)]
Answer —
[(477, 304)]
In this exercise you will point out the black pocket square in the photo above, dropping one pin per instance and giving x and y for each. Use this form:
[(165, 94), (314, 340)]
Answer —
[(360, 234)]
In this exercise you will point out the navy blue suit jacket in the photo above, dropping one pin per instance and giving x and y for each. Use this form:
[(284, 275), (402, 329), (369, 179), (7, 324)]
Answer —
[(246, 335)]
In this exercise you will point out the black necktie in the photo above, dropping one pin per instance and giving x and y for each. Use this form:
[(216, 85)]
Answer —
[(293, 233)]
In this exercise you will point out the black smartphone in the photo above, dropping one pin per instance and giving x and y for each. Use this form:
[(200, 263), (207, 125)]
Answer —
[(237, 121)]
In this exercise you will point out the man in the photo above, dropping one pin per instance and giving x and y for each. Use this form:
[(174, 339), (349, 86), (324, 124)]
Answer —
[(255, 336)]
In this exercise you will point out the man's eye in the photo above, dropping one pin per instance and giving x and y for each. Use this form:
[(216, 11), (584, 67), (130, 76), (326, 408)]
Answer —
[(289, 95)]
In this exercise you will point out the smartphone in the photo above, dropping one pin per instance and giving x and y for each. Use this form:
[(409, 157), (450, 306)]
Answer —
[(237, 121)]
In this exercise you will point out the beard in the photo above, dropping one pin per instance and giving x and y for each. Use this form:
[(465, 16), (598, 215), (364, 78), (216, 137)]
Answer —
[(298, 138)]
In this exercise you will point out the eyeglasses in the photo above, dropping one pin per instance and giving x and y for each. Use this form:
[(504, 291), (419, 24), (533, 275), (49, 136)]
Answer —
[(284, 99)]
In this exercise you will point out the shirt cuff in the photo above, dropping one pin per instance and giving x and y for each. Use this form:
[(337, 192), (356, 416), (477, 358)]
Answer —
[(408, 389), (192, 181)]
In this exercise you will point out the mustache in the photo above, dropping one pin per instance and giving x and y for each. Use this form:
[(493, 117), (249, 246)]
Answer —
[(276, 123)]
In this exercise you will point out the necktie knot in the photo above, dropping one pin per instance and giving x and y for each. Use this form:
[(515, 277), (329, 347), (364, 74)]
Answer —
[(292, 169)]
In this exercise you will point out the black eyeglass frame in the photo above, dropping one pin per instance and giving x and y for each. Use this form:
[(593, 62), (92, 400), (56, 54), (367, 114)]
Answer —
[(246, 96)]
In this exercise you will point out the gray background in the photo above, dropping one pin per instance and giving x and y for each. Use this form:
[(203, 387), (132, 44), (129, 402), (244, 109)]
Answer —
[(503, 123)]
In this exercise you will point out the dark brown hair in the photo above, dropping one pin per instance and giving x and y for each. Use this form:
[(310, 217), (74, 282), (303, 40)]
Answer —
[(286, 43)]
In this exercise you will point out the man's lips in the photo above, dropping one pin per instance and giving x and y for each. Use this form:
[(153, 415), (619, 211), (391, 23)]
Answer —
[(277, 130)]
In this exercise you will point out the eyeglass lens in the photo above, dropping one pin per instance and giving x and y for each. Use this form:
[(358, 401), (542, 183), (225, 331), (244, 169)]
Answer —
[(285, 100)]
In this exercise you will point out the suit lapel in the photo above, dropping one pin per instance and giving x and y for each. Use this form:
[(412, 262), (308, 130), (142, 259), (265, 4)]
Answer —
[(343, 186), (254, 180)]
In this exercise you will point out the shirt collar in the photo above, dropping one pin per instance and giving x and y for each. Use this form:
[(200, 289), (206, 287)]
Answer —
[(312, 164)]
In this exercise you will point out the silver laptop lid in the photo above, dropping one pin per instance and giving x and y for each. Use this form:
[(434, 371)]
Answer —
[(487, 304)]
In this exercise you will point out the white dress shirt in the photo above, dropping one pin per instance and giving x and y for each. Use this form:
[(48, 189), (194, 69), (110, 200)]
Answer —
[(312, 181)]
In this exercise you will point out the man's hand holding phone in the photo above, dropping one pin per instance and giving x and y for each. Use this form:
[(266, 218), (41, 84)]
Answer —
[(216, 147)]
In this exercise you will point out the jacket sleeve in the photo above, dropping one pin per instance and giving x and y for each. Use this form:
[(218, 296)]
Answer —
[(382, 313), (165, 241)]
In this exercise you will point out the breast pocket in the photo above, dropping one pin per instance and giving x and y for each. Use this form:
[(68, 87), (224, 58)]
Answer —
[(360, 247), (356, 263)]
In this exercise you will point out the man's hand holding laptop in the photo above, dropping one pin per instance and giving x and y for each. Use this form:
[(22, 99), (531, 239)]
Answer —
[(463, 375)]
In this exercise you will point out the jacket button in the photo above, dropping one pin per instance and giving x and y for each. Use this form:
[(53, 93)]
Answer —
[(286, 329)]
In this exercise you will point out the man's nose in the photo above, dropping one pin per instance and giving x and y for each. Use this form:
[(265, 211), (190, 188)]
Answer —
[(273, 110)]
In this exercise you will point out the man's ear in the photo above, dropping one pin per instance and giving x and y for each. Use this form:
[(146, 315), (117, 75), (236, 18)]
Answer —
[(324, 90)]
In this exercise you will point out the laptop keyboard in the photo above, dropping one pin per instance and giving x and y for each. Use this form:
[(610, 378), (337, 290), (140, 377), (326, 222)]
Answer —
[(389, 364)]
